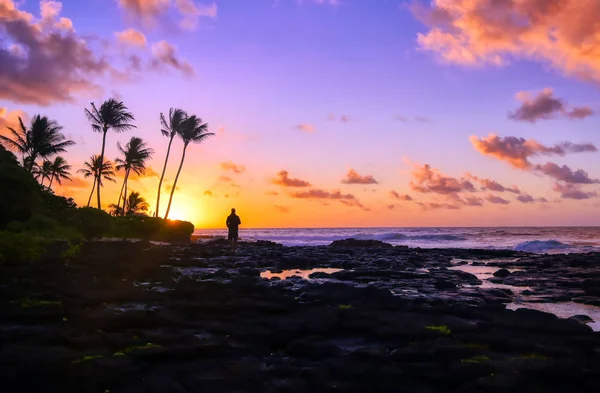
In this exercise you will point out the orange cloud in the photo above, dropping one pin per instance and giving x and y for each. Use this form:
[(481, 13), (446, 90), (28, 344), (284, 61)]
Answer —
[(517, 151), (75, 182), (545, 106), (283, 179), (131, 37), (305, 127), (208, 193), (562, 33), (403, 197), (272, 193), (11, 119), (230, 166), (354, 178), (428, 180), (282, 209), (152, 12)]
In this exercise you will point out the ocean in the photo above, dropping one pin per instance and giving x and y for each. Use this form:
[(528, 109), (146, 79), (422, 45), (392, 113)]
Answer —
[(552, 240)]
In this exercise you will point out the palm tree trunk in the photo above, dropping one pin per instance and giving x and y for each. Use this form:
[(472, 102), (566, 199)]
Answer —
[(101, 165), (51, 180), (175, 182), (163, 175), (122, 188), (92, 193), (42, 182), (125, 194)]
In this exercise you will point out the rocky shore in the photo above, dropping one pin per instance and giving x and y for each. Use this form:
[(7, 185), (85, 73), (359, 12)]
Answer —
[(351, 317)]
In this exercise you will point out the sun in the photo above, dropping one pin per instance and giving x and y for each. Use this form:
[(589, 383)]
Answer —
[(183, 213)]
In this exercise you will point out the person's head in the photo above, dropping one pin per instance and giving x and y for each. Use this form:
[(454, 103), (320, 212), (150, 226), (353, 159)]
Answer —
[(233, 210)]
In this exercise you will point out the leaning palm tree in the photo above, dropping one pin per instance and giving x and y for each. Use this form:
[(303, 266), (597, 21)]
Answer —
[(113, 115), (192, 131), (59, 170), (42, 172), (93, 168), (135, 154), (169, 129), (43, 138), (135, 204)]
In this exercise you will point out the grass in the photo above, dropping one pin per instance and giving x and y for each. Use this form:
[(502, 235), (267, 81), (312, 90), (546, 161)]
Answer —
[(476, 359), (345, 306), (35, 302), (443, 329)]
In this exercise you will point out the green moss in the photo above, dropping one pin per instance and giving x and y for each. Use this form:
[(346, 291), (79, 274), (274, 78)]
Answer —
[(35, 302), (72, 252), (477, 346), (443, 329), (532, 356), (476, 359), (345, 306), (128, 350), (86, 358)]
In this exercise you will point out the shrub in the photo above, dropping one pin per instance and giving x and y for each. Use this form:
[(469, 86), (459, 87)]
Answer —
[(91, 223), (20, 247), (20, 195)]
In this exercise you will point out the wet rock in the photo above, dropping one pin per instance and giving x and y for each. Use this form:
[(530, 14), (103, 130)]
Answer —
[(502, 273), (581, 318)]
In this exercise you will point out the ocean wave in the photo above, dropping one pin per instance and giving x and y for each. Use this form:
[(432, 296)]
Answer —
[(541, 246), (402, 236)]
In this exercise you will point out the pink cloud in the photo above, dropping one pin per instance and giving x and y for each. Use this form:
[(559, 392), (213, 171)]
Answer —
[(305, 127), (426, 179), (565, 174), (545, 106), (164, 55), (59, 64), (525, 198), (493, 185), (354, 178), (347, 199), (573, 191), (156, 12), (437, 206), (496, 199), (282, 209), (400, 197), (517, 151), (283, 179)]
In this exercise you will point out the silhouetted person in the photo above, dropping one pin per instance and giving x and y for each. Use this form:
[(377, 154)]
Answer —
[(233, 222)]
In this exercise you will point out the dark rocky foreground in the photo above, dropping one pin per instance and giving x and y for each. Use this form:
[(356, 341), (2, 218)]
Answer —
[(134, 317)]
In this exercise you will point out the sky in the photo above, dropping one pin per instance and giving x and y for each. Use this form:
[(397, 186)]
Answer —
[(327, 113)]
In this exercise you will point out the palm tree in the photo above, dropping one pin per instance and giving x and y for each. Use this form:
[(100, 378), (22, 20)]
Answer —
[(43, 139), (135, 204), (169, 129), (42, 172), (134, 159), (192, 131), (59, 170), (93, 168), (113, 115)]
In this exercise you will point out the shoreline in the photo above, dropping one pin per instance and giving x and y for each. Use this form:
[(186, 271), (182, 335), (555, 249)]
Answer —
[(132, 316)]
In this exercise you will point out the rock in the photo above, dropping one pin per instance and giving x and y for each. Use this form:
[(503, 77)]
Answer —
[(444, 284), (591, 287), (502, 273), (581, 318), (355, 243)]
